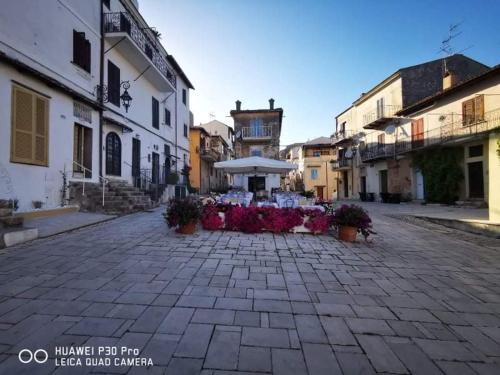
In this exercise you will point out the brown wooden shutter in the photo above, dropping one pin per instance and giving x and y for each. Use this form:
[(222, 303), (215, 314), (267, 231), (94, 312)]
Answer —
[(41, 131), (22, 126), (468, 112), (479, 108)]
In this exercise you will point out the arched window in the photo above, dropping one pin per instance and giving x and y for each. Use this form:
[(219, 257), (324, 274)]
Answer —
[(113, 154)]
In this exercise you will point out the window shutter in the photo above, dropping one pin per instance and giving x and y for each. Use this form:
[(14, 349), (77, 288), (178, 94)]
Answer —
[(41, 118), (76, 48), (113, 84), (86, 61), (468, 112), (479, 108), (22, 126), (29, 141)]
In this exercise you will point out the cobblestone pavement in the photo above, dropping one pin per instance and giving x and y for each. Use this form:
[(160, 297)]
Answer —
[(414, 300)]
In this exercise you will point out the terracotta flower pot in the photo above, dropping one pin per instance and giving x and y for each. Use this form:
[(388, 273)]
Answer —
[(188, 228), (348, 234)]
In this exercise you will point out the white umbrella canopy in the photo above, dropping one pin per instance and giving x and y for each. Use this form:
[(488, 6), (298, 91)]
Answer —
[(255, 164)]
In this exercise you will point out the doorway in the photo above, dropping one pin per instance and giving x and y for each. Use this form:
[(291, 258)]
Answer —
[(419, 184), (319, 192), (155, 172), (363, 184), (476, 179), (136, 162), (256, 183), (345, 181), (113, 155), (383, 181)]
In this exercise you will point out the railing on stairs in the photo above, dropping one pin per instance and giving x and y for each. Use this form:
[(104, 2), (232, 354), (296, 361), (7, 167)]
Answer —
[(84, 170), (145, 181)]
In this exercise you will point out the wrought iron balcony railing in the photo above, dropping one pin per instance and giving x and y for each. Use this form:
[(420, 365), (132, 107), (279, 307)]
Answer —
[(342, 163), (451, 131), (376, 151), (122, 22), (342, 135), (265, 131), (380, 115)]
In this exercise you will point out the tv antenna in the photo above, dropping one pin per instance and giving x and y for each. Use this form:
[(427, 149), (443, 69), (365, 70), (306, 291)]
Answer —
[(211, 115)]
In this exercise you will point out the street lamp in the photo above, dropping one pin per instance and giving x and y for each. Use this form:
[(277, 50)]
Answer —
[(125, 97)]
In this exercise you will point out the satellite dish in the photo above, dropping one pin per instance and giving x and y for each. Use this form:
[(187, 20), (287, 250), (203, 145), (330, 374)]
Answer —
[(390, 129), (238, 134), (348, 154)]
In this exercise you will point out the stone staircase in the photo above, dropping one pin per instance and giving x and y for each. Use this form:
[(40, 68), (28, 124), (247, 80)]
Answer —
[(120, 198)]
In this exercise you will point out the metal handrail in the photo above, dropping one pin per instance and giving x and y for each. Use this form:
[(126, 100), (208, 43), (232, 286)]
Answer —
[(264, 131), (101, 178), (384, 111)]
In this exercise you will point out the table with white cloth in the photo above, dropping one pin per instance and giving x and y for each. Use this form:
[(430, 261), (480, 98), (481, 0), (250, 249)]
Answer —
[(234, 198), (267, 204)]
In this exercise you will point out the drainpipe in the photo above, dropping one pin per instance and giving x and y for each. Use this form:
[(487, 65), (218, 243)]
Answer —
[(101, 83)]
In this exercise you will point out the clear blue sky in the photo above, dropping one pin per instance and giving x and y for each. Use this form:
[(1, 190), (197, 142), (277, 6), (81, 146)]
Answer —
[(313, 57)]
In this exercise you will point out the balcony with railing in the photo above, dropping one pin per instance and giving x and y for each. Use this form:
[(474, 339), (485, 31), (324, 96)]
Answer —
[(342, 164), (264, 132), (375, 152), (380, 116), (342, 137), (209, 154), (130, 39), (450, 132)]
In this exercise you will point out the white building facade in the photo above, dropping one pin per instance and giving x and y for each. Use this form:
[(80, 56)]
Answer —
[(64, 69)]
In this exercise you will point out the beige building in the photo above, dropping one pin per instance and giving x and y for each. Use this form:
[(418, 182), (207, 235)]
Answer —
[(319, 175), (366, 135), (294, 180), (465, 119)]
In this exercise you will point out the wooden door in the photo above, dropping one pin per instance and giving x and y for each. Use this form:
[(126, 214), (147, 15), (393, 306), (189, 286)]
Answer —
[(476, 179), (319, 192), (113, 155), (155, 173), (136, 161), (383, 181)]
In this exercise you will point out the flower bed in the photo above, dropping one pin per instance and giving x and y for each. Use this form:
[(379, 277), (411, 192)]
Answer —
[(259, 219)]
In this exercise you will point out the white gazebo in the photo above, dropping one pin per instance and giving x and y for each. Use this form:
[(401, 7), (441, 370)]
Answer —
[(256, 173)]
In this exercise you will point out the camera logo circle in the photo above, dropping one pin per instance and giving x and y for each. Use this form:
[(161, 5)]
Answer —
[(27, 356)]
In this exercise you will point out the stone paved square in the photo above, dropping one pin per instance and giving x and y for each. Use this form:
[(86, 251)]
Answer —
[(415, 299)]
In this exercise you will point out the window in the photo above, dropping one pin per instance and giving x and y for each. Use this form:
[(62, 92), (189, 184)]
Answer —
[(475, 151), (185, 130), (113, 84), (82, 150), (184, 96), (316, 153), (380, 108), (167, 118), (256, 127), (473, 110), (81, 51), (166, 151), (314, 174), (255, 150), (30, 127), (155, 107)]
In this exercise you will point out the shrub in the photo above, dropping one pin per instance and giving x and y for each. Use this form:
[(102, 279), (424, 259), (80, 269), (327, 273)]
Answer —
[(318, 221), (234, 217), (352, 216), (210, 219), (280, 220), (182, 211)]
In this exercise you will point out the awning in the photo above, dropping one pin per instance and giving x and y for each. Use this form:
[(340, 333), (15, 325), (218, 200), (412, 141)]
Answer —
[(255, 164)]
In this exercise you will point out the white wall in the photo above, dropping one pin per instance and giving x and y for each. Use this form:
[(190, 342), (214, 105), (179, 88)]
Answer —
[(37, 183)]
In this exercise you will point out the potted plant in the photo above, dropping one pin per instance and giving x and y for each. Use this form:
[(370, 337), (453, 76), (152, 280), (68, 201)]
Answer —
[(349, 220), (183, 213)]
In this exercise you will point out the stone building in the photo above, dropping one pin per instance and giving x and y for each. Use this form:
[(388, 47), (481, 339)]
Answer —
[(257, 133)]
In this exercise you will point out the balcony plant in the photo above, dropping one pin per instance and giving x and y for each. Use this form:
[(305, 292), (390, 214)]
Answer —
[(183, 213), (349, 220), (318, 222), (210, 218)]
